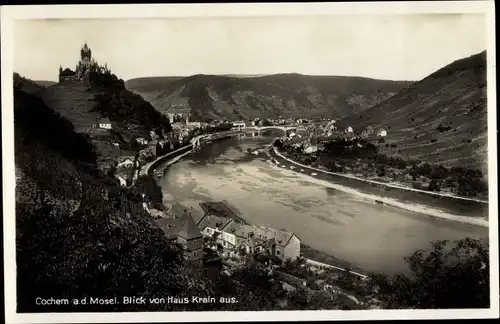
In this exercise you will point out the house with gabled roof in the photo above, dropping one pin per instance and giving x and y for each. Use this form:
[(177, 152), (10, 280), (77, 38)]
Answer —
[(170, 227), (191, 239), (182, 228), (214, 226), (278, 243), (104, 123)]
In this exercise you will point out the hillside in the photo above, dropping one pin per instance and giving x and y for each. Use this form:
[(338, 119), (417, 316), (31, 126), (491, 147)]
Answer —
[(440, 119), (149, 87), (84, 103), (234, 97), (27, 85), (45, 83)]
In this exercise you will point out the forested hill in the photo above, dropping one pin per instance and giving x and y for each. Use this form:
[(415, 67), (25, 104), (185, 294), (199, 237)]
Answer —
[(83, 103), (439, 119), (294, 95), (27, 85)]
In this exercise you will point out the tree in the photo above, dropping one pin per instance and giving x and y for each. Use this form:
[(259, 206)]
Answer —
[(434, 185), (443, 277), (266, 122), (147, 185)]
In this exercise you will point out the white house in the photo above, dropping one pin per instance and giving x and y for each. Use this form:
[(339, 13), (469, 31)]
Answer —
[(194, 124), (142, 140), (104, 123), (126, 163), (239, 125), (279, 243), (311, 149), (382, 133), (349, 129), (123, 182), (211, 225)]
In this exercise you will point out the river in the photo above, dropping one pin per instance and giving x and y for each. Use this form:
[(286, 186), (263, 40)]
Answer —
[(373, 237)]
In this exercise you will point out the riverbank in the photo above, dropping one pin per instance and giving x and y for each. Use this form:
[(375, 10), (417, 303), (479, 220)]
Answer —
[(160, 165), (459, 210), (316, 255)]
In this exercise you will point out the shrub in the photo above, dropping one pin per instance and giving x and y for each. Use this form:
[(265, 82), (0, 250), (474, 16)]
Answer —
[(441, 278)]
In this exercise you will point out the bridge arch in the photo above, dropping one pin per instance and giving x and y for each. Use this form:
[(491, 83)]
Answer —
[(285, 129)]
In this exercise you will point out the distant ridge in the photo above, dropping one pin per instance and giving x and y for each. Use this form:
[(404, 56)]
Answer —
[(264, 96), (45, 83)]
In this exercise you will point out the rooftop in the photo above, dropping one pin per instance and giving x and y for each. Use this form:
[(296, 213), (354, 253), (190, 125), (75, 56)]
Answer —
[(263, 234), (213, 221), (169, 226), (179, 211), (189, 229), (105, 120)]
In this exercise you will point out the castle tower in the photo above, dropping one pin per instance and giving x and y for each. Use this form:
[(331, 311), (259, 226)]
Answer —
[(85, 55)]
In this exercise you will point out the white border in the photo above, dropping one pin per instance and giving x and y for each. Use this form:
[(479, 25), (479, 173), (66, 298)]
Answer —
[(9, 13)]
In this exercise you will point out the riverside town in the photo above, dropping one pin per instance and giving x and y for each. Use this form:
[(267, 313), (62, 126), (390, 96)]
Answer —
[(156, 189)]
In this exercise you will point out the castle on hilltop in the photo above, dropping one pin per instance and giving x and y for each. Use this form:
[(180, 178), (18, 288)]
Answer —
[(86, 69)]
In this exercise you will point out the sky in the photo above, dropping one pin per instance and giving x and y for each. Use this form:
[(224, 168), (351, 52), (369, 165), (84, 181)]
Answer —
[(396, 47)]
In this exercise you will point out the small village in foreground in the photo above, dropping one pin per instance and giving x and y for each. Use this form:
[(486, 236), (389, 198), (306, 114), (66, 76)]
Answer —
[(214, 237)]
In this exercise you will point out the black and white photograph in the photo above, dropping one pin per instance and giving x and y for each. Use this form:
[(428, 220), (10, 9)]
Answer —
[(257, 161)]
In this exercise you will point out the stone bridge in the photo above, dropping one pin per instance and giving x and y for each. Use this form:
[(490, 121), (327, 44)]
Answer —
[(285, 129)]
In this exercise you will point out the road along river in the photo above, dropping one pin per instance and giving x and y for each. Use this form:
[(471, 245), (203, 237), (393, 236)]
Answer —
[(372, 236)]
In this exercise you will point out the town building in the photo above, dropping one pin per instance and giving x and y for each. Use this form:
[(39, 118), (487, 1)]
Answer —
[(104, 123), (382, 133), (142, 141), (220, 228), (277, 243), (180, 227), (191, 240), (311, 149), (123, 182), (126, 163), (125, 154), (213, 227), (228, 230), (238, 125), (193, 124)]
